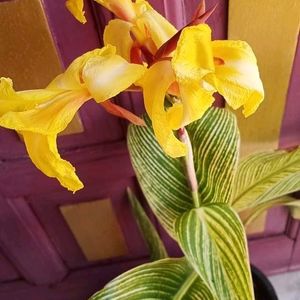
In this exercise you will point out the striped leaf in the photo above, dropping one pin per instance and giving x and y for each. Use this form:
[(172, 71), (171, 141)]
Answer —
[(214, 241), (215, 142), (259, 209), (161, 177), (211, 235), (266, 176), (149, 233), (167, 279)]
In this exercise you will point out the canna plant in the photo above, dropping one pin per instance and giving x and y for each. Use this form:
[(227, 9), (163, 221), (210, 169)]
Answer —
[(185, 153), (205, 221)]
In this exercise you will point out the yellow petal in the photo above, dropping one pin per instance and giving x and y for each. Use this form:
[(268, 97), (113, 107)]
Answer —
[(42, 150), (154, 96), (105, 77), (121, 8), (192, 60), (175, 115), (10, 100), (50, 117), (195, 100), (76, 9), (117, 33), (237, 79), (193, 57), (152, 24), (71, 79)]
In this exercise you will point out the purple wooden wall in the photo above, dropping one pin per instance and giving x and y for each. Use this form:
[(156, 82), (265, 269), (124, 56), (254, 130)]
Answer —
[(39, 256)]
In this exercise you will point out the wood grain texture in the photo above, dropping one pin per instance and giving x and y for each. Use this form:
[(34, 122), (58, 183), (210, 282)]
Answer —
[(25, 243), (96, 229), (272, 30)]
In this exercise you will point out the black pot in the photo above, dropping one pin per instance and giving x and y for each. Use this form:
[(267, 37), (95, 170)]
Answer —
[(263, 288)]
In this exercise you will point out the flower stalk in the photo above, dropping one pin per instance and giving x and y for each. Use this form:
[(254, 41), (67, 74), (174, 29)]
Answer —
[(189, 166)]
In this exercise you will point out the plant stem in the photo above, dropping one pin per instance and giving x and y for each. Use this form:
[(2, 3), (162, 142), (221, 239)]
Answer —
[(189, 166)]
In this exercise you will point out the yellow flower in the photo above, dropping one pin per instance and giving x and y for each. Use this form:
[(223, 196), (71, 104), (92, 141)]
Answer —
[(39, 115), (148, 29), (199, 67), (183, 63), (76, 9), (138, 23)]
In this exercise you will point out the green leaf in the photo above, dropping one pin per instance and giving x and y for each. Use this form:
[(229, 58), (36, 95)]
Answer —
[(217, 239), (215, 142), (167, 279), (213, 239), (258, 210), (266, 176), (150, 235), (161, 177)]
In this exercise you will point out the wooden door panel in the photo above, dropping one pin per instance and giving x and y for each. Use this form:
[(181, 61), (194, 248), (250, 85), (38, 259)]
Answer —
[(25, 243), (33, 203), (7, 270), (47, 209), (78, 285), (25, 175)]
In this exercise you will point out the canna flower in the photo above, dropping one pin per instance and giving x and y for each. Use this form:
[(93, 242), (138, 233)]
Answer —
[(147, 29), (186, 64), (198, 68), (137, 26), (39, 115)]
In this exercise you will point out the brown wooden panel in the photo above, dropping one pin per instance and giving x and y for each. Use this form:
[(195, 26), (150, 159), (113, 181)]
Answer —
[(272, 30), (96, 229), (273, 37), (28, 53)]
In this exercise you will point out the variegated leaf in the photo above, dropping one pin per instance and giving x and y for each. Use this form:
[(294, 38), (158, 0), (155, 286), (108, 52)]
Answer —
[(258, 210), (213, 239), (150, 234), (215, 146), (266, 176), (215, 142), (167, 279), (161, 177)]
